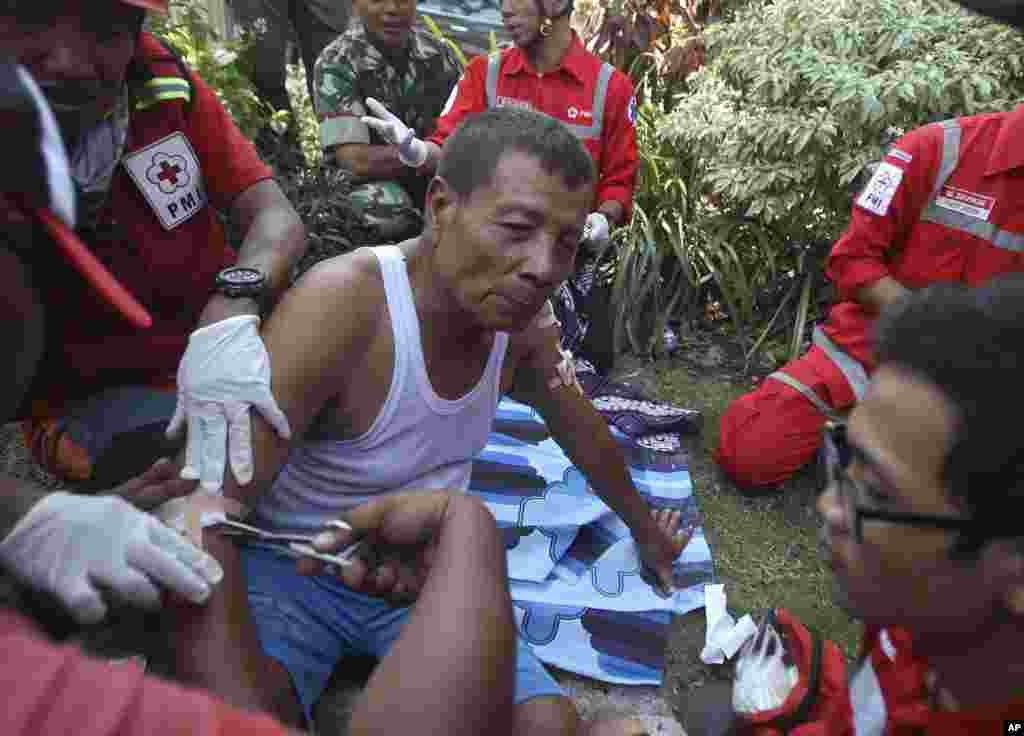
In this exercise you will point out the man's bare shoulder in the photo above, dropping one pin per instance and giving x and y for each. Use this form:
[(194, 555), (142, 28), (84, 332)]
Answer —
[(350, 283), (336, 304)]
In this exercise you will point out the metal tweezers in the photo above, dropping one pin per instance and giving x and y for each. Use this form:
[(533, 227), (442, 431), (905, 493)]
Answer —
[(300, 544)]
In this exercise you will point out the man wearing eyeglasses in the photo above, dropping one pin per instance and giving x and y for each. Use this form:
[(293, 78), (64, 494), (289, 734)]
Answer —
[(924, 522), (924, 516)]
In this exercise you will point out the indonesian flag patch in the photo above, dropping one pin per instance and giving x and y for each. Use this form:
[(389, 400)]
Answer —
[(168, 175)]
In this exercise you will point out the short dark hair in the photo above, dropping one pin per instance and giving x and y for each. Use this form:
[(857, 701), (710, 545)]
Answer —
[(969, 343), (471, 154)]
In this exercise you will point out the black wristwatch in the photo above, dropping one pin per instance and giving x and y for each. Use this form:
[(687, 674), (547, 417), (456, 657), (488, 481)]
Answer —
[(239, 282)]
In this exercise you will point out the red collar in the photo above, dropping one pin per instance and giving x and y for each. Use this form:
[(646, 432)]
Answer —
[(574, 61), (1008, 151)]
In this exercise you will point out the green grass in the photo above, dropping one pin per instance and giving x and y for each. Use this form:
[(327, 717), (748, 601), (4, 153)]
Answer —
[(765, 549)]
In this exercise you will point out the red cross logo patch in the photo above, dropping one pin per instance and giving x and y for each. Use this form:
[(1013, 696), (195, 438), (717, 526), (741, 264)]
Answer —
[(168, 175)]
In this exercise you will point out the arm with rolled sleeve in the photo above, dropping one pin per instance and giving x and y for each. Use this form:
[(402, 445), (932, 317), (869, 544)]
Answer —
[(619, 159), (859, 261), (343, 134)]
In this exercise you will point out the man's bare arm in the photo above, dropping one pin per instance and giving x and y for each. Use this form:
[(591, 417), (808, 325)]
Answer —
[(584, 436), (460, 638), (320, 320)]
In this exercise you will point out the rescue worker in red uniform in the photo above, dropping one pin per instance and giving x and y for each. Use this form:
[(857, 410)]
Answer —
[(154, 157), (946, 204)]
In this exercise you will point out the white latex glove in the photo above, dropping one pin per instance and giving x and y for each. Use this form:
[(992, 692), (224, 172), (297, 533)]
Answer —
[(74, 547), (411, 150), (596, 232), (225, 371)]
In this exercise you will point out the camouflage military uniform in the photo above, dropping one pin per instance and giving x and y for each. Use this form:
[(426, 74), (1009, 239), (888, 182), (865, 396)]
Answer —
[(413, 84)]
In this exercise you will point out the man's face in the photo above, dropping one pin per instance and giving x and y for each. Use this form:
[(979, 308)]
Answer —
[(501, 252), (389, 21), (522, 20), (900, 574), (78, 51)]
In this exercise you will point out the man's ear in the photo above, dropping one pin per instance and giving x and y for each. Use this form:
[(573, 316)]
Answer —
[(441, 203)]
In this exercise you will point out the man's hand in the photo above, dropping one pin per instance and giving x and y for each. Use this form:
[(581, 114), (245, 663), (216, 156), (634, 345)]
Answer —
[(596, 232), (78, 548), (882, 293), (411, 150), (660, 544), (402, 531), (225, 372), (158, 485)]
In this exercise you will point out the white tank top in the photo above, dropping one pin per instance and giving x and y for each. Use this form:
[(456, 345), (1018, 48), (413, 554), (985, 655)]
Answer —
[(418, 441)]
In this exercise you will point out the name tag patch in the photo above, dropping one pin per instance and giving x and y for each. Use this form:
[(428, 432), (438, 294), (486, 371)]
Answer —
[(978, 206), (168, 175), (878, 194)]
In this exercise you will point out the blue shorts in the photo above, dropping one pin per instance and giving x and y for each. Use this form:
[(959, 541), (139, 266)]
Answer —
[(309, 624)]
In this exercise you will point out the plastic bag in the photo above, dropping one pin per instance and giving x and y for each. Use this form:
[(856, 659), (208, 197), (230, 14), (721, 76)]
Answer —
[(765, 673)]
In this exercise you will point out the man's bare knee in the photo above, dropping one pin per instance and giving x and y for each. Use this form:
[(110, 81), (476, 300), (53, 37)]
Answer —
[(22, 332)]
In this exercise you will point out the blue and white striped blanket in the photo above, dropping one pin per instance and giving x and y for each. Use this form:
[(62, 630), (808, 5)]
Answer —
[(575, 575)]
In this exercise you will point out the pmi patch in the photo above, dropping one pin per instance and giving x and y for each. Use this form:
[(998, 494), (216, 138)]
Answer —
[(878, 194), (168, 175)]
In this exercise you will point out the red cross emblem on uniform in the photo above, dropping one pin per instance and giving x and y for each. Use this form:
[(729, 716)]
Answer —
[(168, 172)]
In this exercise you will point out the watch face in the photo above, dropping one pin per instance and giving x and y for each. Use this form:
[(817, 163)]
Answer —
[(242, 276)]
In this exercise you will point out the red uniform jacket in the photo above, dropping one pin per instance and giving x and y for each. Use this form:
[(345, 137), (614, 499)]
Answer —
[(947, 205), (584, 93), (168, 244), (890, 698)]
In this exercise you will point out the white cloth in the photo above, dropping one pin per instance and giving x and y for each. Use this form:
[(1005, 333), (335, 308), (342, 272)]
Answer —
[(225, 372), (74, 547), (411, 150), (417, 441), (723, 636)]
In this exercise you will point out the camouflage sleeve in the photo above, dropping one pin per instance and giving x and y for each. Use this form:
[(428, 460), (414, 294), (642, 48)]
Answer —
[(338, 104)]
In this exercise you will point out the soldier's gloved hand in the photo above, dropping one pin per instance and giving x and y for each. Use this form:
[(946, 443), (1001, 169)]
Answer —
[(411, 150), (596, 232), (78, 547), (224, 373)]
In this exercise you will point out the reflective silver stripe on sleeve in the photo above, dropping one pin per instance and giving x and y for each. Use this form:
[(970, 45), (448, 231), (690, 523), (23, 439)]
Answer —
[(985, 230), (950, 153), (493, 67), (805, 391), (854, 372)]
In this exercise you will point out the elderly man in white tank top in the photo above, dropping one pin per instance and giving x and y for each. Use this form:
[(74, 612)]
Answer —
[(389, 363)]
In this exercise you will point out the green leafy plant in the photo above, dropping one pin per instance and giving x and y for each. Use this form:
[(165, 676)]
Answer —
[(771, 138), (189, 31)]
